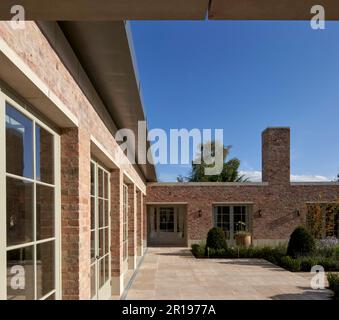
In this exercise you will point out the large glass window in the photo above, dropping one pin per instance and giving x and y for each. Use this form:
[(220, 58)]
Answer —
[(100, 238), (30, 207), (323, 220), (231, 218)]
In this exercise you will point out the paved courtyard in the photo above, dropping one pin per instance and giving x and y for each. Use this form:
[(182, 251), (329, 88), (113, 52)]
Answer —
[(173, 273)]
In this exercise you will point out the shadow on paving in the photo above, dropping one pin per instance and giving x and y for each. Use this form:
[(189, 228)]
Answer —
[(253, 263), (305, 295)]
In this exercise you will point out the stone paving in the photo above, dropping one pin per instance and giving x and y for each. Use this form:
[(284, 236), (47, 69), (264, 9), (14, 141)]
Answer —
[(174, 274)]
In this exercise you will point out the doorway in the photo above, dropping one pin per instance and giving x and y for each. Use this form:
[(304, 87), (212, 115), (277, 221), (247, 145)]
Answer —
[(167, 225), (100, 232)]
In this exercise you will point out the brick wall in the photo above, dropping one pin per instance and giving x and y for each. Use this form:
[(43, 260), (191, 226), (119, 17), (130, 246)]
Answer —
[(75, 213), (132, 226), (276, 198), (34, 50)]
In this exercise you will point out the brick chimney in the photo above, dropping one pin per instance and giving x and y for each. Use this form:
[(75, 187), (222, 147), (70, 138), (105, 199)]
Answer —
[(276, 155)]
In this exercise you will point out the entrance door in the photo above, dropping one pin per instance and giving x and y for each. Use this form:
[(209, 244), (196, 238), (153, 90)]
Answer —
[(166, 225), (100, 232)]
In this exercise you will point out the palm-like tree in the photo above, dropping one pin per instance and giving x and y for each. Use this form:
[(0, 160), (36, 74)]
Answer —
[(230, 170)]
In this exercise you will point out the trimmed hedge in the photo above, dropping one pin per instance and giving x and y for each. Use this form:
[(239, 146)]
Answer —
[(333, 282), (290, 264), (215, 240), (301, 243), (198, 250), (275, 255)]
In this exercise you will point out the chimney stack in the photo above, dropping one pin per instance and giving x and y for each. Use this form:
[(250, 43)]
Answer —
[(276, 155)]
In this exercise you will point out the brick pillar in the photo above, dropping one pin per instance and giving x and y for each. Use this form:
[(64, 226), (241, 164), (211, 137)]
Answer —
[(75, 214), (132, 227), (276, 156), (144, 222), (117, 231), (140, 227)]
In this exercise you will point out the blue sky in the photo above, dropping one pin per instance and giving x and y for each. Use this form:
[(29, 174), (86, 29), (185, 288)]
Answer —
[(242, 77)]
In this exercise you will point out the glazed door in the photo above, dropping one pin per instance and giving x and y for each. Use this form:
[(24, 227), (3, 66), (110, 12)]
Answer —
[(100, 233)]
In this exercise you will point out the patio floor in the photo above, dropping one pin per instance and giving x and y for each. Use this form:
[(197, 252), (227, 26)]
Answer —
[(173, 274)]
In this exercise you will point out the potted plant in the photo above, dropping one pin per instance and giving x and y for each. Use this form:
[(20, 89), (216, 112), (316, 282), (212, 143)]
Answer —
[(243, 238)]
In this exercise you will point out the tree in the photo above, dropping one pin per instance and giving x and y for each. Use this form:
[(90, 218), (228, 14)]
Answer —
[(230, 170)]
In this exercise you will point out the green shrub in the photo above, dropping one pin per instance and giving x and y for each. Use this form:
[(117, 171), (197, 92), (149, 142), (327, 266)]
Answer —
[(301, 243), (231, 253), (333, 283), (198, 250), (335, 253), (307, 263), (290, 264), (216, 239), (329, 264)]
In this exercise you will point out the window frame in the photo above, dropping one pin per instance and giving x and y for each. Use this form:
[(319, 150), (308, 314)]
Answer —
[(232, 224), (5, 99)]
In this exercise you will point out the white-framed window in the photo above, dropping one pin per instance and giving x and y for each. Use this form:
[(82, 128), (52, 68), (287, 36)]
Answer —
[(100, 230), (166, 223), (125, 222), (231, 218), (30, 205)]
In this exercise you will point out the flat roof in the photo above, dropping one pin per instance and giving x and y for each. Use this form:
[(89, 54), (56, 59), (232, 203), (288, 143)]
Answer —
[(108, 10), (102, 52), (270, 9), (105, 10)]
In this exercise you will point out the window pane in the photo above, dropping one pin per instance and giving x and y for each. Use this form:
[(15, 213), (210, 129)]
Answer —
[(93, 282), (101, 242), (44, 212), (44, 155), (45, 265), (92, 246), (20, 274), (51, 297), (100, 183), (106, 241), (106, 268), (106, 185), (92, 179), (106, 212), (19, 143), (92, 213), (101, 213), (101, 272), (19, 211)]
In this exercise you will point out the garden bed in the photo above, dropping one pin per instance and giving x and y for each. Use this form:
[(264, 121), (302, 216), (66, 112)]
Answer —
[(326, 257)]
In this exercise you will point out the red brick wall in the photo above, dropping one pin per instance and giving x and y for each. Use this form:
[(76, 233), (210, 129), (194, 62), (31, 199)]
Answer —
[(116, 223), (75, 213), (132, 226), (34, 50), (277, 199), (277, 205)]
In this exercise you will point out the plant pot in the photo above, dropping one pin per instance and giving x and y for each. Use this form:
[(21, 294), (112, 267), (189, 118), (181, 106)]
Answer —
[(243, 239)]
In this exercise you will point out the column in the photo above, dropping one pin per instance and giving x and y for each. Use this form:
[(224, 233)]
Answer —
[(75, 214), (117, 231)]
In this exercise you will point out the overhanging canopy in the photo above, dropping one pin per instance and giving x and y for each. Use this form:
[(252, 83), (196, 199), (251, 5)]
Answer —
[(89, 10)]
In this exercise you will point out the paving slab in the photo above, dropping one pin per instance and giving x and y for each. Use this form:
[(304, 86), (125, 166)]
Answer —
[(174, 274)]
